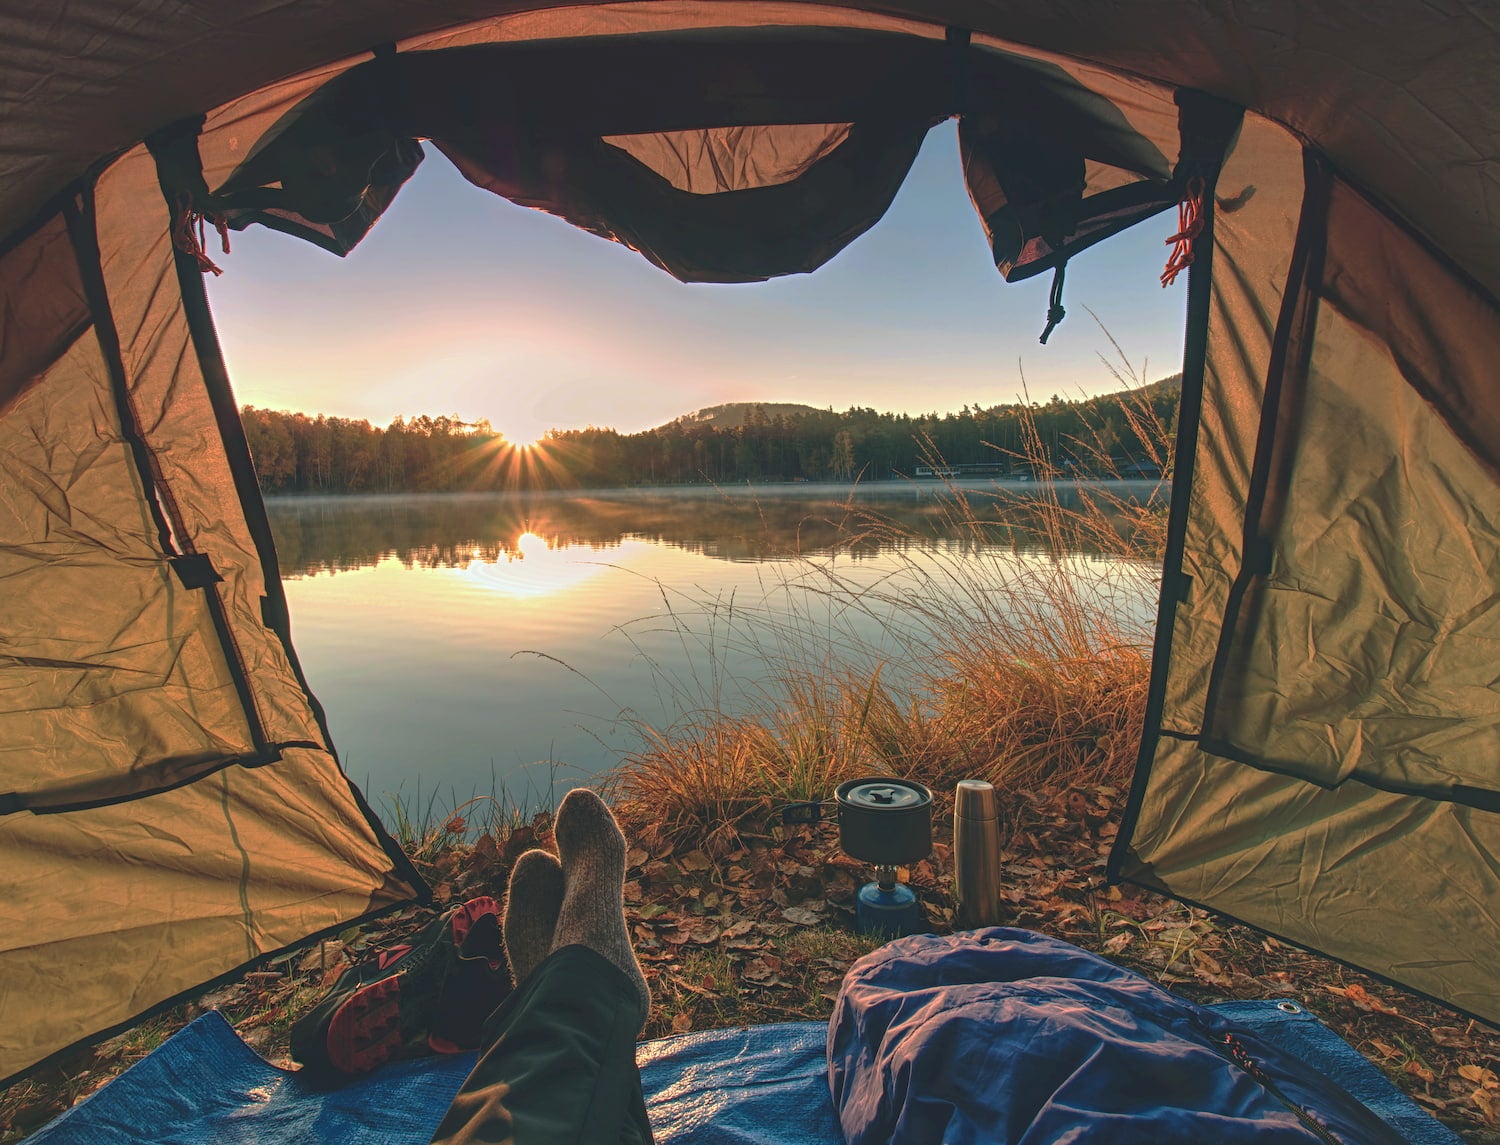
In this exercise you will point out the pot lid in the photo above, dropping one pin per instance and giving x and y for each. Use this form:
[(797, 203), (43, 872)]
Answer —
[(883, 794)]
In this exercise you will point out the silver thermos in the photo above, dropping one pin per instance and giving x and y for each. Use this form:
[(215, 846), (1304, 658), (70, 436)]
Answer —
[(976, 853)]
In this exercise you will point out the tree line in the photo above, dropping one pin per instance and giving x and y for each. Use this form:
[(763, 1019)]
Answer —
[(1125, 434)]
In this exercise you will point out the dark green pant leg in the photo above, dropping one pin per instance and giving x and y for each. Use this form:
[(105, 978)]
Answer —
[(559, 1063)]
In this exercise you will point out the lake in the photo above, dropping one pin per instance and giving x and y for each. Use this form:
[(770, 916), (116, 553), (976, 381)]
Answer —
[(466, 643)]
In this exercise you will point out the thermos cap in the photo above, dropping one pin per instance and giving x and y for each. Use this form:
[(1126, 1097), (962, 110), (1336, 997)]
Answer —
[(975, 799)]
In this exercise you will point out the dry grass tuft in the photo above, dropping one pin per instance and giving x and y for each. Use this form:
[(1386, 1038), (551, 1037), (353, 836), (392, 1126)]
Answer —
[(1020, 656)]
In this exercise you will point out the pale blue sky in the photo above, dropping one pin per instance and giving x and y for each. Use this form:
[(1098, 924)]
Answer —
[(460, 302)]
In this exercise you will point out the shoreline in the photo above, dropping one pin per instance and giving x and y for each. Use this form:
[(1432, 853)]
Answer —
[(811, 490)]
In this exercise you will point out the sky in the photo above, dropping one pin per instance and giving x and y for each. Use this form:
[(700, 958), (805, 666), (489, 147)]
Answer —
[(459, 302)]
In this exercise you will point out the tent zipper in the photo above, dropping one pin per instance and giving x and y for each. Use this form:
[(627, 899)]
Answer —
[(1240, 1056)]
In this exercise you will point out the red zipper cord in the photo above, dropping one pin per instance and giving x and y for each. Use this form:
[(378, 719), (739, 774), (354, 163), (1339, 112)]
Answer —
[(184, 238), (1241, 1057), (1189, 227)]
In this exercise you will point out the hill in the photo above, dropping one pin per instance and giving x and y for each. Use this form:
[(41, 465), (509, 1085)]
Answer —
[(733, 415)]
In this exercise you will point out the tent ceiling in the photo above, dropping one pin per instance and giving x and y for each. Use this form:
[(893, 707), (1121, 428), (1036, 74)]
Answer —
[(1400, 95)]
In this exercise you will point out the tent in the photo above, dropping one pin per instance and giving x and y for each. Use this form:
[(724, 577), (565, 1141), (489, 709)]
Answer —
[(1320, 756)]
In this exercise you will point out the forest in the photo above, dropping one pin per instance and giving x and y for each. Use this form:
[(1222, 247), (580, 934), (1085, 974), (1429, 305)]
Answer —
[(1122, 434)]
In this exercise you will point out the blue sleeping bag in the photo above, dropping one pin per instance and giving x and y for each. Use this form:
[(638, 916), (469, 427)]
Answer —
[(1006, 1037)]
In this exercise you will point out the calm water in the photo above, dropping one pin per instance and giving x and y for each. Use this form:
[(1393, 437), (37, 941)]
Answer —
[(464, 642)]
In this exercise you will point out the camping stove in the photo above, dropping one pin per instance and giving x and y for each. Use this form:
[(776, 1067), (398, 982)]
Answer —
[(886, 822)]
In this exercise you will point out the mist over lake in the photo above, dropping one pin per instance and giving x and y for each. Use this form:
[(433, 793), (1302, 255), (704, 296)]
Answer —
[(465, 642)]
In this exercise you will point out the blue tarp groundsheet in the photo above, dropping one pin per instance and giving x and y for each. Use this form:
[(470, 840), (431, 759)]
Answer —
[(763, 1085)]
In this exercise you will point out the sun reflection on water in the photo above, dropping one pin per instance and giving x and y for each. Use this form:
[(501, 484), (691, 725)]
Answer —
[(534, 569)]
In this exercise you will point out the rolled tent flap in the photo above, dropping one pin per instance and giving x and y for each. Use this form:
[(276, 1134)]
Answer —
[(171, 808), (1053, 167), (753, 153)]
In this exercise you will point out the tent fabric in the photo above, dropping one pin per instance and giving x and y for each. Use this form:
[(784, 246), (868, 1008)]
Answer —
[(131, 687), (712, 160), (42, 308), (1397, 95), (1320, 747), (757, 1085), (1328, 719), (164, 893), (196, 819)]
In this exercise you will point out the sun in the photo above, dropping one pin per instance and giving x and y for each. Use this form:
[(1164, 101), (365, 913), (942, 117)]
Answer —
[(515, 459), (520, 432)]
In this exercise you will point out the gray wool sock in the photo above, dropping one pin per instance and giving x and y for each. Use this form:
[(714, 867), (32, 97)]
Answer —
[(532, 903), (592, 850)]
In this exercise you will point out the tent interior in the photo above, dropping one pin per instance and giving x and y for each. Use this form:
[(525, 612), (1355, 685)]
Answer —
[(1320, 751)]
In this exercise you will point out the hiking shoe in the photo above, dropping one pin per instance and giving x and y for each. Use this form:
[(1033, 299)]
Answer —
[(431, 995)]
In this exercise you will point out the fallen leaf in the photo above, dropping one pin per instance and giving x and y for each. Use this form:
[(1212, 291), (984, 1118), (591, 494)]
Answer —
[(801, 916), (694, 861), (1204, 964), (635, 857), (517, 841), (756, 970), (1417, 1069), (1477, 1074), (1451, 1037), (682, 1023), (1385, 1051), (1488, 1104), (1362, 998), (1118, 942)]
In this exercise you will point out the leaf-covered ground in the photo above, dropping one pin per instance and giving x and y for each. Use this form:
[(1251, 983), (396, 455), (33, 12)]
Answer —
[(764, 933)]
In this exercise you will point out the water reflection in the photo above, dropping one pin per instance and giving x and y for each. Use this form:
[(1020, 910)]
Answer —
[(332, 534), (475, 642)]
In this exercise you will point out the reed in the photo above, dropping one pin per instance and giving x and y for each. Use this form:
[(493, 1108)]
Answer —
[(1019, 656)]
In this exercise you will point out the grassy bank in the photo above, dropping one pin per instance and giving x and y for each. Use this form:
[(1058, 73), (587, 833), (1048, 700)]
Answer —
[(1018, 655)]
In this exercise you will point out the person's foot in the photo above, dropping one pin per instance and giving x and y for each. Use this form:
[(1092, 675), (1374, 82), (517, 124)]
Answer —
[(532, 903), (592, 851)]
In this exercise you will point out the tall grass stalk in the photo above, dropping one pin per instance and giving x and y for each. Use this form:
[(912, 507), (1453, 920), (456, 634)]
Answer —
[(425, 830), (1022, 664)]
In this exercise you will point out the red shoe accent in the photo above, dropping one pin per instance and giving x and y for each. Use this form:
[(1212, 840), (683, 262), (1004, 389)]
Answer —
[(365, 1032), (384, 958), (441, 1045), (470, 913)]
